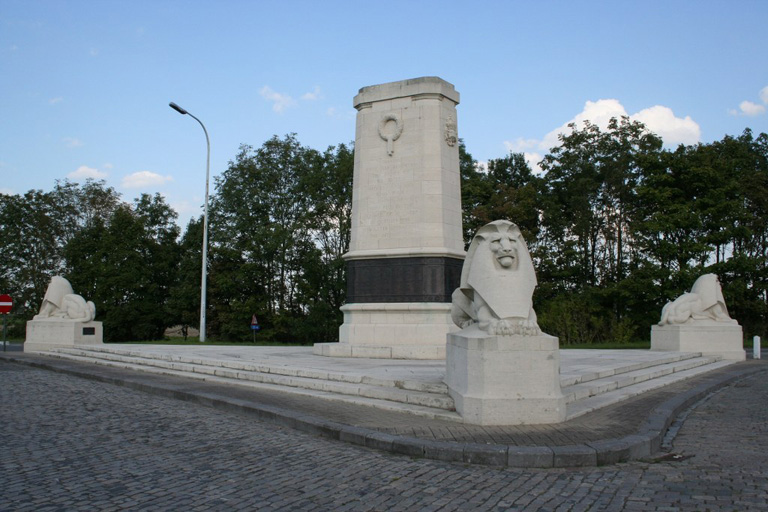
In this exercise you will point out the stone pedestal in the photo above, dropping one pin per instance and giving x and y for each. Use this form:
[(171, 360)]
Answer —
[(406, 241), (709, 337), (504, 380), (43, 335), (392, 331)]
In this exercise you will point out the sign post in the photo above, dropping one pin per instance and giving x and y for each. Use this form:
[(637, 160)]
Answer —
[(6, 304), (254, 326)]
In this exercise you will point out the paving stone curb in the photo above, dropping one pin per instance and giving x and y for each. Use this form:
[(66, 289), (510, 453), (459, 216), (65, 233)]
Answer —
[(642, 445)]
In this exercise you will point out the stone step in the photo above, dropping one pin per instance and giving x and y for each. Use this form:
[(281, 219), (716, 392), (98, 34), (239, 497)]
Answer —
[(586, 405), (578, 377), (367, 390), (290, 371), (591, 390), (624, 379)]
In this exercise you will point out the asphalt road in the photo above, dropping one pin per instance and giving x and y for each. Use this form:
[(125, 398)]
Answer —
[(72, 444)]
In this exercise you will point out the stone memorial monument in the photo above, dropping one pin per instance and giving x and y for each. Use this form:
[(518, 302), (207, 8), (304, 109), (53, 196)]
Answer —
[(406, 247), (65, 320), (698, 321), (500, 368)]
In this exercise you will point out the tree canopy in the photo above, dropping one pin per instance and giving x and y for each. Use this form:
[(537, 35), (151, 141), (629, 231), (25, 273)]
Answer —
[(617, 226)]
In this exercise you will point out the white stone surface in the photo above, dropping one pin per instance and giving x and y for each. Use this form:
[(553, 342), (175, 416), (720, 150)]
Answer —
[(406, 197), (698, 321), (49, 334), (61, 302), (406, 202), (604, 376), (497, 283), (65, 320), (705, 302), (403, 330), (709, 337), (504, 380)]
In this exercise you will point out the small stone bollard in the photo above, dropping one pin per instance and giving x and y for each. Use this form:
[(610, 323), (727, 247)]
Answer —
[(756, 347)]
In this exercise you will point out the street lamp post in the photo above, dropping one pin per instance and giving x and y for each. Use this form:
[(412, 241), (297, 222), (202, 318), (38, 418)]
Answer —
[(204, 279)]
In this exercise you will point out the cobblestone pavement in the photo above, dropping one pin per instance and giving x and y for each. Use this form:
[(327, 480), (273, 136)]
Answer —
[(72, 444)]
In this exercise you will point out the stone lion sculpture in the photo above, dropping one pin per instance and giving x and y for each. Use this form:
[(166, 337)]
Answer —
[(704, 302), (61, 303), (497, 283)]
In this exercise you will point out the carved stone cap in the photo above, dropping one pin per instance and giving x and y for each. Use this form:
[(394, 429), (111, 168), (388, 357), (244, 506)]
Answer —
[(426, 85)]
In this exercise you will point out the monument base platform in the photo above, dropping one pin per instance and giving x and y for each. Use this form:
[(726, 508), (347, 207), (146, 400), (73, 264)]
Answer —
[(708, 337), (44, 335), (379, 351), (403, 330), (504, 380)]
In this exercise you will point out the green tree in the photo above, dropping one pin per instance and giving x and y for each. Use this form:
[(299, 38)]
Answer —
[(82, 205), (515, 196), (184, 300), (735, 221), (476, 192), (127, 267), (31, 234), (35, 227), (329, 218), (590, 211), (591, 181), (279, 225)]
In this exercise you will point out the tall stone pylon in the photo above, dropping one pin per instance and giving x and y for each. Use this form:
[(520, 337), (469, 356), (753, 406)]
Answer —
[(406, 249)]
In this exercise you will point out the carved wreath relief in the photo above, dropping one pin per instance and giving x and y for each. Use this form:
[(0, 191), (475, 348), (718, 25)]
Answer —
[(390, 128)]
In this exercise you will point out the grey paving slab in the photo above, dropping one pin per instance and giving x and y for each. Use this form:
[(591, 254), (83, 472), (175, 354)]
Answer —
[(69, 443), (631, 430)]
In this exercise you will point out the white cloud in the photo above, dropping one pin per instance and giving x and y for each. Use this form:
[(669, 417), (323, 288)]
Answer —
[(521, 144), (187, 208), (673, 130), (55, 100), (71, 142), (597, 112), (533, 160), (312, 96), (83, 173), (279, 101), (6, 191), (747, 108), (144, 179), (658, 119), (750, 108)]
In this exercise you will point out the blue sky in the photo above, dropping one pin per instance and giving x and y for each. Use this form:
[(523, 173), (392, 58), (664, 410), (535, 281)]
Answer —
[(86, 84)]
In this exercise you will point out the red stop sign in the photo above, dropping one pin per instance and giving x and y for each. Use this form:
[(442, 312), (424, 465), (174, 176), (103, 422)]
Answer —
[(6, 303)]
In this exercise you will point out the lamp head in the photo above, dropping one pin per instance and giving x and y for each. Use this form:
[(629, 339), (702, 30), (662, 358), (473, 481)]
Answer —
[(177, 108)]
